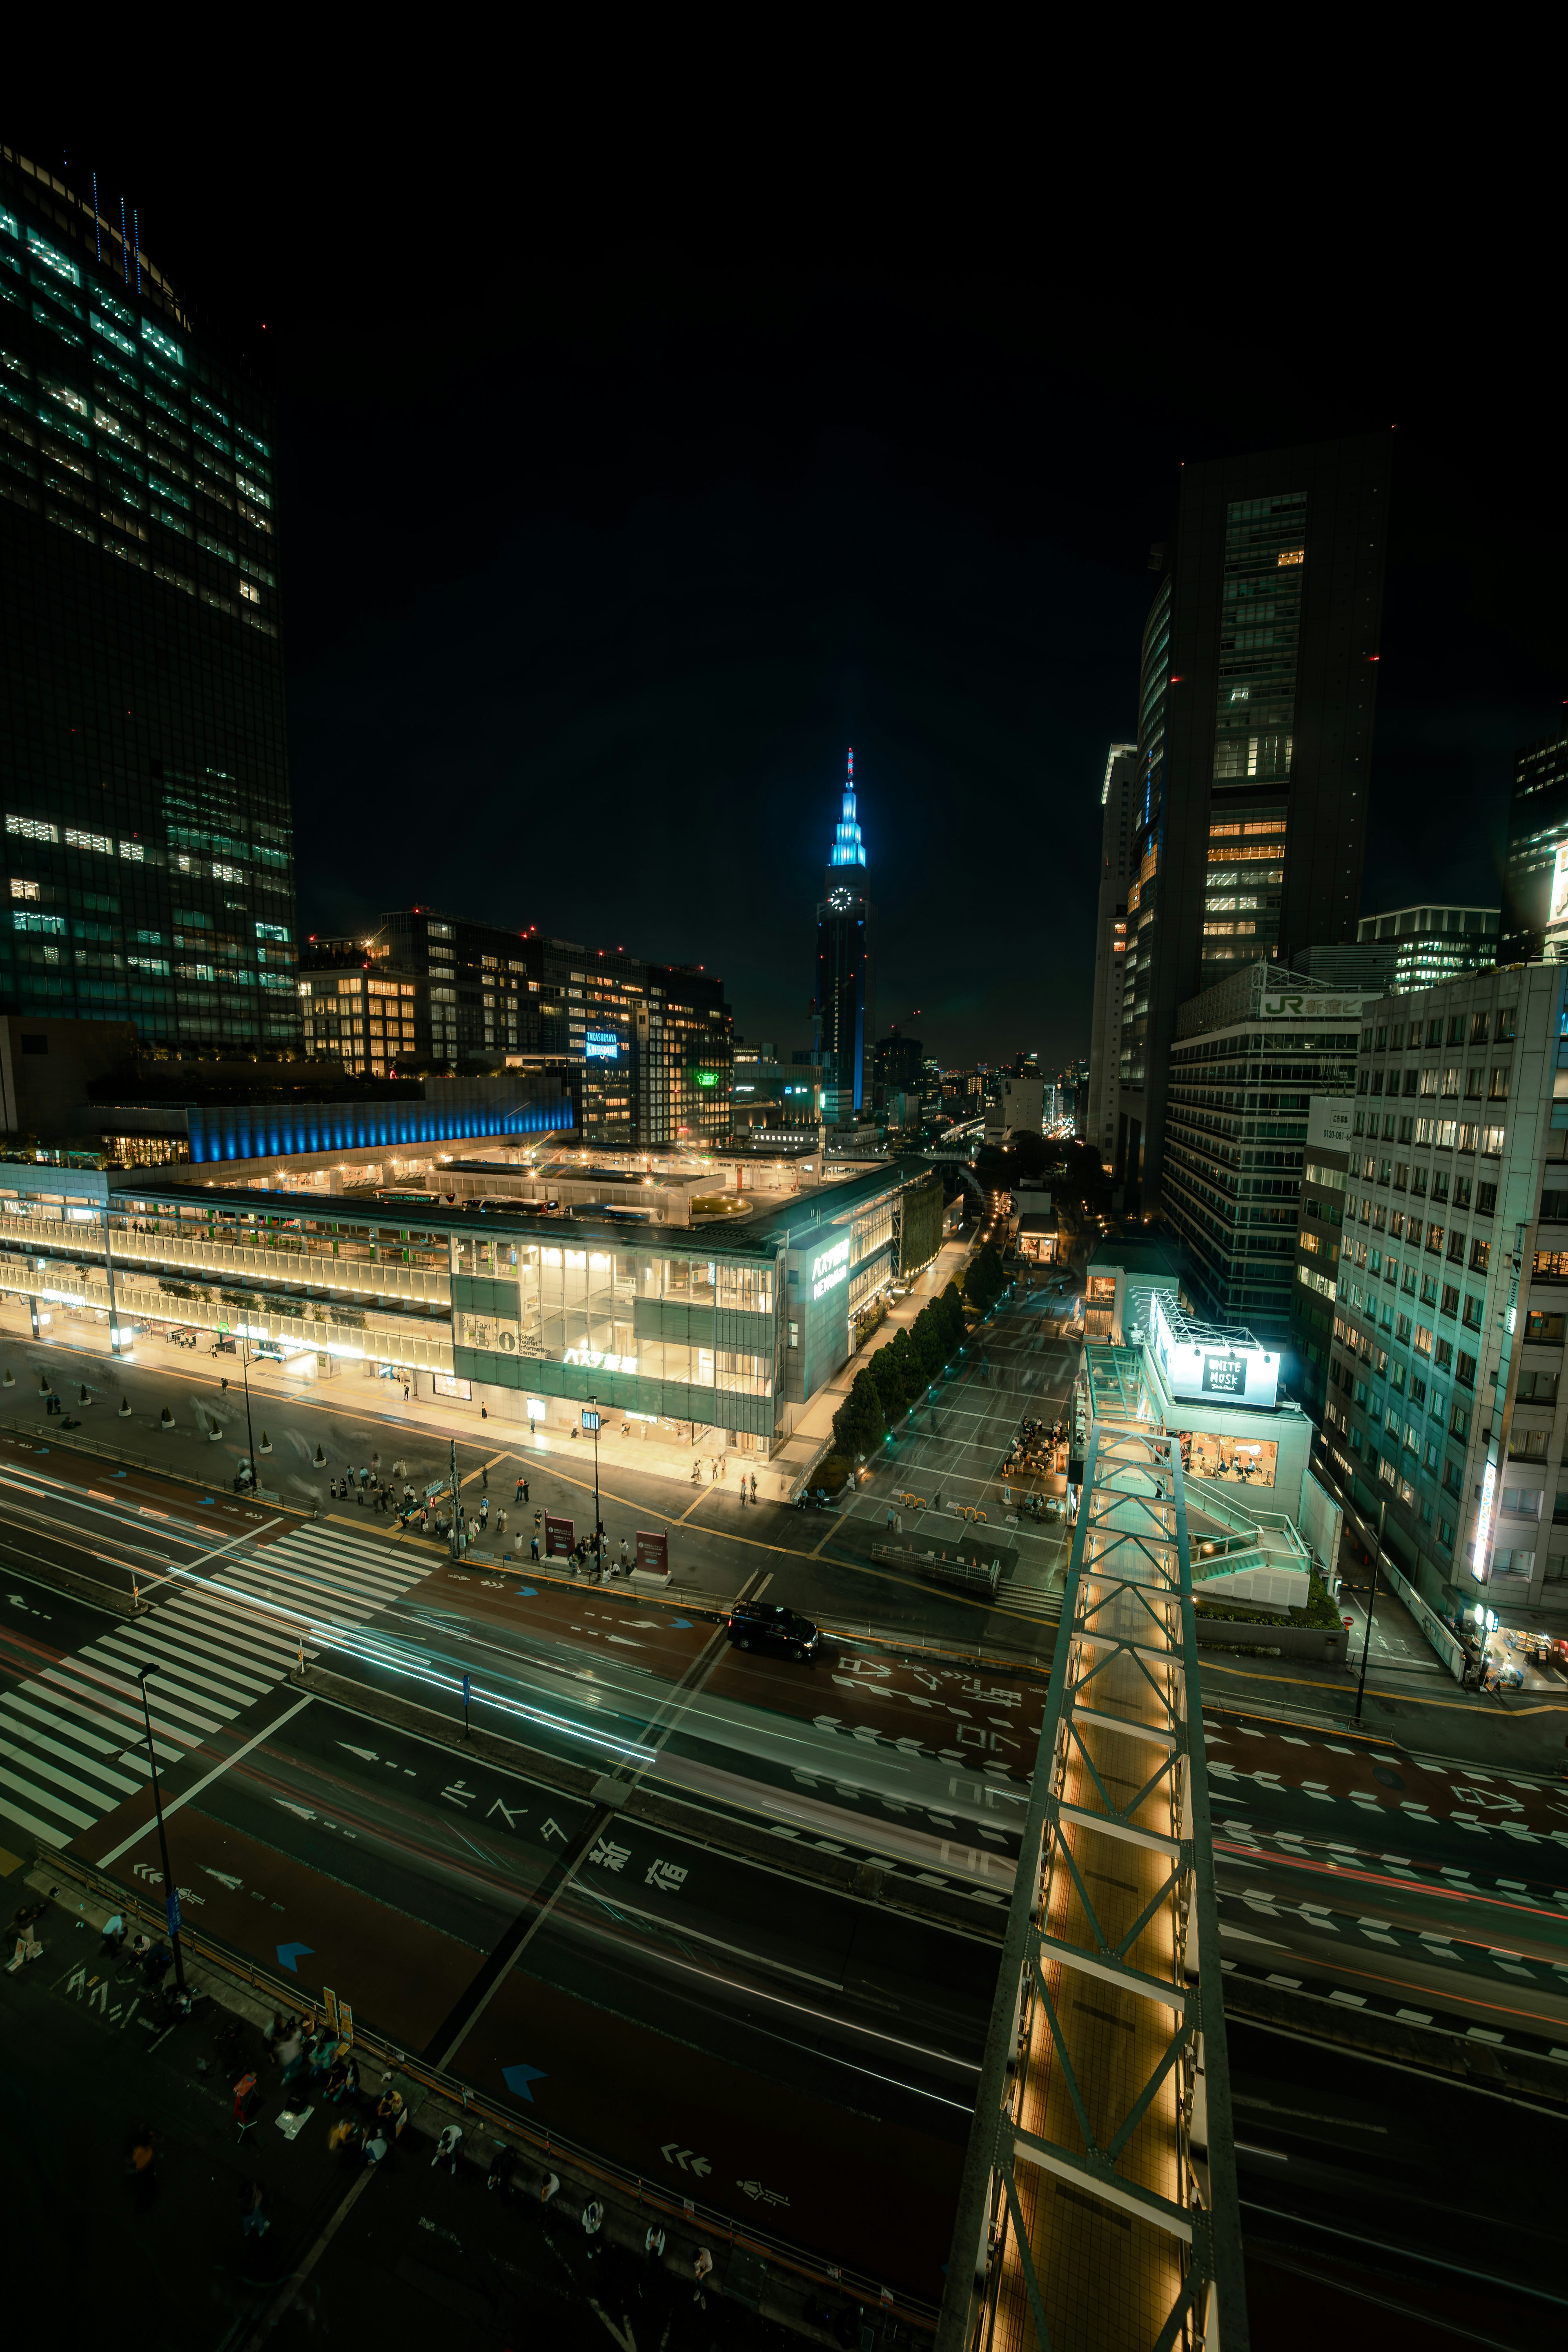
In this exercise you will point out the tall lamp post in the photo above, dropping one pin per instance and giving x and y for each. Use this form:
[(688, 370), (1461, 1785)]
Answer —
[(249, 1433), (1371, 1597), (171, 1897), (592, 1418)]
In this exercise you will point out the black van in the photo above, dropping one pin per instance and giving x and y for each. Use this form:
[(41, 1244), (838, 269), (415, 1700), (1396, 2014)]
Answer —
[(768, 1625)]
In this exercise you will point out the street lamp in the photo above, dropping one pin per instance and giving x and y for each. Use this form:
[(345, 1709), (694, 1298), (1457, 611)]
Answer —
[(593, 1416), (1371, 1597), (171, 1897), (249, 1433)]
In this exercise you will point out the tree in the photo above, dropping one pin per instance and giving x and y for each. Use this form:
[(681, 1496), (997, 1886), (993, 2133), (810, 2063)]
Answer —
[(950, 1307), (931, 1342), (985, 1282), (910, 1366), (888, 1374), (859, 1423)]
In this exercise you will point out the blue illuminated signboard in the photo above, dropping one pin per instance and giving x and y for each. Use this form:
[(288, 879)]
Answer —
[(600, 1046)]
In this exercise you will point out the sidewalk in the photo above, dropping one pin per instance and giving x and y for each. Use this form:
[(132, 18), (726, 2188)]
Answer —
[(396, 2252), (656, 1458)]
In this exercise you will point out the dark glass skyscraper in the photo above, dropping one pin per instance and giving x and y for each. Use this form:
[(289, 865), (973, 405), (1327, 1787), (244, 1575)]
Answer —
[(1535, 879), (846, 998), (149, 871), (1256, 698)]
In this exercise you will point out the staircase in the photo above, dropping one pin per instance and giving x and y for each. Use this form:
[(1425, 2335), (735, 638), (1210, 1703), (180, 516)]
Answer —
[(1227, 1538)]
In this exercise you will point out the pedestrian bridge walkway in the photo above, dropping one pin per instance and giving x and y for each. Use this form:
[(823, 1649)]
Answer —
[(1099, 2199)]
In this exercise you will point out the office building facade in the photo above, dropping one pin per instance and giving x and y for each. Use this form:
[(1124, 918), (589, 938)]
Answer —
[(845, 992), (148, 840), (1446, 1402), (1250, 1055), (1535, 874), (653, 1042), (1256, 703), (1432, 944), (1097, 1121), (1318, 1231)]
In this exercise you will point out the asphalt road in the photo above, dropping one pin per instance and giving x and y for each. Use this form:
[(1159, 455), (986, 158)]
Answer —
[(1429, 1890), (814, 2052), (408, 2252), (1379, 2205), (821, 1560)]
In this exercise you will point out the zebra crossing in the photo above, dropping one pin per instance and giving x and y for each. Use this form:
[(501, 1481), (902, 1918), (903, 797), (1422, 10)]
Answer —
[(72, 1736)]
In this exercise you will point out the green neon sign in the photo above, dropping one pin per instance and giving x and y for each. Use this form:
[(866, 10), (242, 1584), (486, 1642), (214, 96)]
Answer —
[(704, 1077)]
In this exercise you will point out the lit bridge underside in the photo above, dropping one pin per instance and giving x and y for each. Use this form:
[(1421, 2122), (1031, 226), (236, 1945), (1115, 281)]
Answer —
[(1099, 2199)]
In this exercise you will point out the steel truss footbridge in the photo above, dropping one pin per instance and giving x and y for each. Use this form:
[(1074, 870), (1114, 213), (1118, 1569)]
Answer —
[(1099, 2204)]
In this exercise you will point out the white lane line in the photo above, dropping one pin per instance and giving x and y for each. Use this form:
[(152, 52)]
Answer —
[(205, 1783)]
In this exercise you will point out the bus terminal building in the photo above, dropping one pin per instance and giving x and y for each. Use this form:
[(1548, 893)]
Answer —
[(731, 1322)]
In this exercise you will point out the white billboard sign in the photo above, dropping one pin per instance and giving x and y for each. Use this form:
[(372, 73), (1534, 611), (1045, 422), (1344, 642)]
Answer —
[(1219, 1370)]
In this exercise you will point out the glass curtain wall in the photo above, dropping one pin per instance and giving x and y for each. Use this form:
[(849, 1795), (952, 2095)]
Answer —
[(577, 1302)]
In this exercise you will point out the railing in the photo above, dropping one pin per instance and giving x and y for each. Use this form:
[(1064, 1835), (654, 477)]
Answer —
[(836, 2279), (426, 1350), (49, 1435), (301, 1269), (1134, 2122)]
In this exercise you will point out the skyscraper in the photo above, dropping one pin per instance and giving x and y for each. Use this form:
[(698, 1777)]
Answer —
[(1098, 1127), (1256, 701), (845, 996), (1535, 879), (149, 871)]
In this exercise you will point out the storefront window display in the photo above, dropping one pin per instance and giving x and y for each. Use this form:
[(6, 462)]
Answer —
[(1237, 1461)]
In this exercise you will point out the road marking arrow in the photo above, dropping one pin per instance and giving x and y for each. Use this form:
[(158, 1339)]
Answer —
[(291, 1955), (518, 2080), (673, 2154), (233, 1885), (369, 1754), (304, 1811)]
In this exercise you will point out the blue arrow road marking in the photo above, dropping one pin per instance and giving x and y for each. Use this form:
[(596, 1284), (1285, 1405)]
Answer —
[(528, 1591), (291, 1955), (518, 2078), (682, 1624)]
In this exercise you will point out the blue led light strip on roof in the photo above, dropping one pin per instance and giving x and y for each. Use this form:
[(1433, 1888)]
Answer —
[(236, 1133)]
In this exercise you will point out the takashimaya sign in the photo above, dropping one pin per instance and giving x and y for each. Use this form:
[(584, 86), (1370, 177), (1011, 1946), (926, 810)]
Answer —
[(830, 1269)]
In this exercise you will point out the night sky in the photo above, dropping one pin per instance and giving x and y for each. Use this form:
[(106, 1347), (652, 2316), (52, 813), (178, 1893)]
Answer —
[(595, 561)]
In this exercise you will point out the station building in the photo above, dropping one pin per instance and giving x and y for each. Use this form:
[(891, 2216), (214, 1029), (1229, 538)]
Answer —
[(469, 1275)]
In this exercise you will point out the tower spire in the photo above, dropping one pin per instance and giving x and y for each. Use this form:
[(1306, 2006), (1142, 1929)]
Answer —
[(849, 848)]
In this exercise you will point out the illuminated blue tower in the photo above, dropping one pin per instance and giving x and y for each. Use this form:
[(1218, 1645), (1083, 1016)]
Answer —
[(845, 995)]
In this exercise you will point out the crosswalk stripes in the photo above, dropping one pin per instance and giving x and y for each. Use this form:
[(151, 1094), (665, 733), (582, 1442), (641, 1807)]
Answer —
[(72, 1736), (1029, 1601)]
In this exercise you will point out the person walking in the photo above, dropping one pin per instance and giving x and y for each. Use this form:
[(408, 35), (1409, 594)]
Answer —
[(391, 2114), (253, 2220), (533, 1550), (702, 2267), (592, 2222), (484, 1478), (890, 1518), (446, 2149), (549, 2187), (754, 1485), (500, 1523), (141, 2166), (484, 1510)]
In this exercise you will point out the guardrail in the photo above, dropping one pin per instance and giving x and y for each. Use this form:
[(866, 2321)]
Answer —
[(77, 1441), (838, 2279)]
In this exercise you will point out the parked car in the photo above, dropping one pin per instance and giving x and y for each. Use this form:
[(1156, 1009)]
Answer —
[(768, 1625)]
